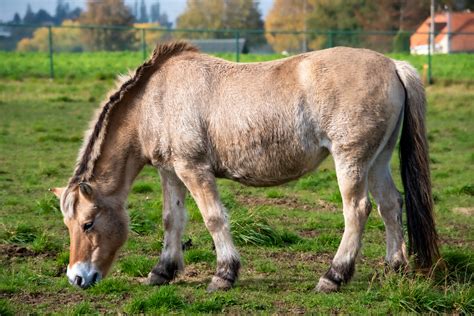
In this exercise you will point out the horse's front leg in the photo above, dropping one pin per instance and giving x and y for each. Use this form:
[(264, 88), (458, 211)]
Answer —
[(201, 184), (174, 220), (356, 206)]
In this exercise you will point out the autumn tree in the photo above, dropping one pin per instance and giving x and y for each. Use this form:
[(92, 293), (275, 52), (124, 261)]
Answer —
[(286, 15), (65, 39), (340, 22), (107, 13), (220, 15)]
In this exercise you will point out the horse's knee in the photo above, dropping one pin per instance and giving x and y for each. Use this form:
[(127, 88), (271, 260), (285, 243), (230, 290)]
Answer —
[(214, 223)]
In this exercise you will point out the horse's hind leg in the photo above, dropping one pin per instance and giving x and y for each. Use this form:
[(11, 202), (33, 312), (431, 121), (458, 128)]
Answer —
[(201, 184), (174, 220), (389, 204), (352, 180)]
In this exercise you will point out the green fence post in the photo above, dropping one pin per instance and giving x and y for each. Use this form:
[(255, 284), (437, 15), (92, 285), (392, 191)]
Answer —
[(50, 43), (331, 39), (237, 46), (429, 59), (143, 44)]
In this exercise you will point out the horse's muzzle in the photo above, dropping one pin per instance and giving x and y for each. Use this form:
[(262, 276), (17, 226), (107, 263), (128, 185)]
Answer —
[(83, 275)]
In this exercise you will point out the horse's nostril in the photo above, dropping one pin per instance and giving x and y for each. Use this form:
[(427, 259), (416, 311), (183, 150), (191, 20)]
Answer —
[(78, 280), (95, 277)]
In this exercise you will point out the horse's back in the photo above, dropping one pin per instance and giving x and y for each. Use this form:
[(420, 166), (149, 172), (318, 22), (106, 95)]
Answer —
[(267, 123)]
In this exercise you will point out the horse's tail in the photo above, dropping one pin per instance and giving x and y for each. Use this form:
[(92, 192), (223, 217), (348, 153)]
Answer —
[(415, 171)]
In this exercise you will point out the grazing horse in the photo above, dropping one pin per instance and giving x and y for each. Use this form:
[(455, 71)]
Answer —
[(197, 118)]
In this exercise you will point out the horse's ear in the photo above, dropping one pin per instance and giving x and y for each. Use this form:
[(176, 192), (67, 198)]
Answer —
[(85, 189), (57, 191)]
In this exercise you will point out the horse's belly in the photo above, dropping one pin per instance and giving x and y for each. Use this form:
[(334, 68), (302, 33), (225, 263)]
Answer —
[(270, 166)]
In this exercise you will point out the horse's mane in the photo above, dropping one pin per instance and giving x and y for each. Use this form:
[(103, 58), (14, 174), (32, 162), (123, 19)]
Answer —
[(91, 148)]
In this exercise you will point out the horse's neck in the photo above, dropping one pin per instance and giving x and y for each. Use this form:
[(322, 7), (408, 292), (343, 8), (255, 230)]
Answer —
[(121, 158)]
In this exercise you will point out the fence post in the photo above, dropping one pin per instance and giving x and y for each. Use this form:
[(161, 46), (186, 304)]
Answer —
[(237, 46), (429, 59), (143, 44), (50, 43), (331, 39)]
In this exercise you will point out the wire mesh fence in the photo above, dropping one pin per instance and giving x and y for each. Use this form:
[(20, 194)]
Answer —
[(74, 50)]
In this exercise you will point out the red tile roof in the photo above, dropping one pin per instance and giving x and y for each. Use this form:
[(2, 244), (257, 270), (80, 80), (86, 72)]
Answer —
[(460, 22)]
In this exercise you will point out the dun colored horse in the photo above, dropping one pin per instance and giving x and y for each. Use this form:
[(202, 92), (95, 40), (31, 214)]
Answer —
[(197, 118)]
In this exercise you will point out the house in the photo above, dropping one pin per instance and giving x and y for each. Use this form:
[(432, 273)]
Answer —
[(454, 33)]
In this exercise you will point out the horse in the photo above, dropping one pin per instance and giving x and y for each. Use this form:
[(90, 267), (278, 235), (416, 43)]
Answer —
[(196, 118)]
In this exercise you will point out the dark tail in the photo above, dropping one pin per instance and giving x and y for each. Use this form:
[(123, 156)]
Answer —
[(415, 171)]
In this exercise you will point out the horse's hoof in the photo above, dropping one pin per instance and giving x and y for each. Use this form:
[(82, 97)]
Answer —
[(326, 286), (155, 279), (218, 284)]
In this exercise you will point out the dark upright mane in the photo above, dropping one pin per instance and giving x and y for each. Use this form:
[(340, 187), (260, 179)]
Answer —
[(93, 142)]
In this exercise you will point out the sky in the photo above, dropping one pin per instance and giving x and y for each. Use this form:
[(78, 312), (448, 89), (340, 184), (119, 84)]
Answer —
[(172, 7)]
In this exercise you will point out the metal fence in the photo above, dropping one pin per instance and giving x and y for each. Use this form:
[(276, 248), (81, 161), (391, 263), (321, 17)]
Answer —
[(75, 38)]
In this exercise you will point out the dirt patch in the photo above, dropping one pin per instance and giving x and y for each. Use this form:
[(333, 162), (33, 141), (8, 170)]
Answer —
[(199, 272), (309, 233), (464, 210), (300, 257), (456, 242), (11, 251), (292, 310), (286, 202)]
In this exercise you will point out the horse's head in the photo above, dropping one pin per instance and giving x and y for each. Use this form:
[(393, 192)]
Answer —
[(98, 227)]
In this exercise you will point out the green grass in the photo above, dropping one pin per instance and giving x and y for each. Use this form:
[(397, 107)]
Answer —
[(106, 65), (286, 235)]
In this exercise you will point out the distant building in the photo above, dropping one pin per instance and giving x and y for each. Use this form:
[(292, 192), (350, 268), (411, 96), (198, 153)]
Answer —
[(220, 45), (4, 33), (447, 25)]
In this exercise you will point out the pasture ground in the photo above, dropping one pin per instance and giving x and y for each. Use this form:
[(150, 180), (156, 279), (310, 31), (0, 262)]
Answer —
[(286, 235)]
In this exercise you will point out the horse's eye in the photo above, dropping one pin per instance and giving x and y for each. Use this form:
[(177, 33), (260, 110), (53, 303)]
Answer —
[(87, 226)]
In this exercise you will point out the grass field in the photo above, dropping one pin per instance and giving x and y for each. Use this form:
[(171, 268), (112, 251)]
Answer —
[(457, 68), (286, 235)]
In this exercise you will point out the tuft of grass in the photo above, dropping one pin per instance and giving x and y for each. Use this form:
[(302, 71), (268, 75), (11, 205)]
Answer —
[(318, 180), (83, 308), (49, 171), (48, 204), (62, 259), (198, 255), (421, 295), (136, 265), (265, 266), (467, 189), (247, 228), (111, 285), (142, 187), (460, 265), (214, 304), (140, 223), (46, 243), (22, 234), (274, 194), (164, 299), (5, 308)]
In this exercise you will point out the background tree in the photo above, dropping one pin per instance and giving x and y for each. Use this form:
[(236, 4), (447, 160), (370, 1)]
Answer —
[(220, 14), (143, 12), (157, 17), (108, 13), (65, 39), (61, 12), (286, 15)]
